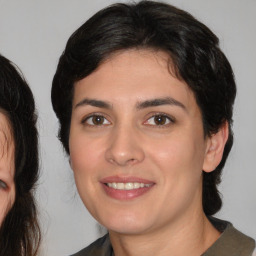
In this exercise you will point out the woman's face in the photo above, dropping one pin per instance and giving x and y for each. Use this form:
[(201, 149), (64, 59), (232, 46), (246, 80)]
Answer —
[(7, 188), (137, 146)]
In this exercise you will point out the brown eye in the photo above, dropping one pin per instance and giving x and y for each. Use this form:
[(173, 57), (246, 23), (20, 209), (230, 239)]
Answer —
[(96, 120), (3, 185), (159, 120)]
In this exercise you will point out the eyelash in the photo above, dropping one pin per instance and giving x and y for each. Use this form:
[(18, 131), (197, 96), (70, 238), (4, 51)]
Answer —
[(167, 118)]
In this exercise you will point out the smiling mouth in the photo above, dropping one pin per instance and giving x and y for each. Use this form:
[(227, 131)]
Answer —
[(126, 188), (128, 185)]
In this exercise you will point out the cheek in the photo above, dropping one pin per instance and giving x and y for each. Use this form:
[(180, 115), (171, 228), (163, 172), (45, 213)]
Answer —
[(6, 201), (85, 155), (179, 150), (179, 171), (86, 161), (178, 157), (3, 207)]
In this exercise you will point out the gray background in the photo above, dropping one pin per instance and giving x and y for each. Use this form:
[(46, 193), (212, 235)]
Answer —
[(33, 34)]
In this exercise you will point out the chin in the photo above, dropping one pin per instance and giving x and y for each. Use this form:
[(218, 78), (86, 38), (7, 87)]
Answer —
[(125, 224), (127, 229)]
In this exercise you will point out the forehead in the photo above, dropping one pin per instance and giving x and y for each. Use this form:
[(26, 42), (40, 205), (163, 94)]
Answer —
[(6, 139), (7, 168), (134, 75)]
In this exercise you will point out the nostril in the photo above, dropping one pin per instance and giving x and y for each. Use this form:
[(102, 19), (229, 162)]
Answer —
[(122, 153)]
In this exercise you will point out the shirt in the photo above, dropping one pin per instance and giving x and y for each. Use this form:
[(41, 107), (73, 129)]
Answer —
[(230, 243)]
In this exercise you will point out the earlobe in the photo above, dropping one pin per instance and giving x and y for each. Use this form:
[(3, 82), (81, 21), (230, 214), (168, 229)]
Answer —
[(215, 148)]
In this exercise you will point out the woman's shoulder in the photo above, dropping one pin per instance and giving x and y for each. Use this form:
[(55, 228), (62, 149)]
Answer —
[(100, 247), (231, 241)]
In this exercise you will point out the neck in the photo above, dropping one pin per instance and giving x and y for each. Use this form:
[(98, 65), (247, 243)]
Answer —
[(187, 236)]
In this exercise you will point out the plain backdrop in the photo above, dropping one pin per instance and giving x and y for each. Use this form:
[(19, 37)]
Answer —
[(33, 34)]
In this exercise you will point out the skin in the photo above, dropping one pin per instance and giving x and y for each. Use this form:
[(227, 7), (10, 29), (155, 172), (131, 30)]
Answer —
[(123, 138), (7, 188)]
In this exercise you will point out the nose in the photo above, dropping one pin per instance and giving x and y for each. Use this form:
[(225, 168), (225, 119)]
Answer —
[(125, 147)]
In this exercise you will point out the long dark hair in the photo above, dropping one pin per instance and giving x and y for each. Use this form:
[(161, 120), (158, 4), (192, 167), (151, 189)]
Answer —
[(194, 53), (19, 232)]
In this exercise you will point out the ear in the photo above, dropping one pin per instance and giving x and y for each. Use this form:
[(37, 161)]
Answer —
[(215, 147)]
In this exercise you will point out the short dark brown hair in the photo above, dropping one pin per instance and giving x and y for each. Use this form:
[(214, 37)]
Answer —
[(194, 52)]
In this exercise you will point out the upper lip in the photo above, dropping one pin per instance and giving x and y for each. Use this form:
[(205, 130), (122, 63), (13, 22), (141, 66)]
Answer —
[(123, 179)]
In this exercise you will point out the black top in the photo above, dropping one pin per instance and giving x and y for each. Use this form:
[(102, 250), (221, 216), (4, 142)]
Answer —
[(231, 243)]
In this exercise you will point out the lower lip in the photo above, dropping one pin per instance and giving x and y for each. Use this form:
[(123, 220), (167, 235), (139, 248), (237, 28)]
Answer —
[(125, 194)]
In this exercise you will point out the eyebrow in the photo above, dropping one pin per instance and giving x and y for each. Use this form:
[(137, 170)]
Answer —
[(94, 103), (160, 102), (140, 105)]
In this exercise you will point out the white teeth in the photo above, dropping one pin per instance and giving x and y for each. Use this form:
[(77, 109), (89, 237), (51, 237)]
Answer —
[(120, 185), (127, 186), (136, 185)]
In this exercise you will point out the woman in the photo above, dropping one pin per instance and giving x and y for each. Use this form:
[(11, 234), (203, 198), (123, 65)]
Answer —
[(19, 229), (145, 98)]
